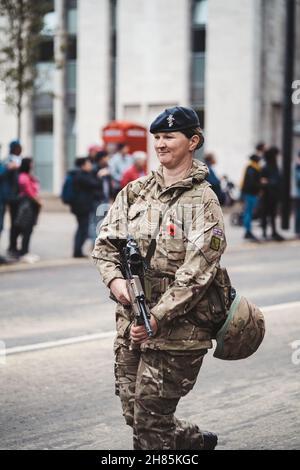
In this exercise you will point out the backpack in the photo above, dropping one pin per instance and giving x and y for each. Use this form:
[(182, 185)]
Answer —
[(68, 192)]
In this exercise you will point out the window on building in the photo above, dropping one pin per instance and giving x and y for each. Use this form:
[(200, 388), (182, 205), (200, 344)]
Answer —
[(200, 112), (198, 40), (71, 4), (46, 50), (200, 12), (198, 46), (49, 24), (72, 48), (113, 55), (43, 124)]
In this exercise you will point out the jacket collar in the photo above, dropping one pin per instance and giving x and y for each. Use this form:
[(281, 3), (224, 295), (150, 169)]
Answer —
[(197, 173)]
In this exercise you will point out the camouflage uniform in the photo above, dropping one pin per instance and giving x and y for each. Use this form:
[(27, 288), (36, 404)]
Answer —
[(151, 379)]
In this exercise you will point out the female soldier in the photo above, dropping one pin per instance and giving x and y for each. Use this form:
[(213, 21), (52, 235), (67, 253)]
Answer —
[(176, 207)]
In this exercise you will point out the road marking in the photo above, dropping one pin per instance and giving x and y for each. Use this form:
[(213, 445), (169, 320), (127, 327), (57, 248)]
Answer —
[(110, 334), (272, 308), (249, 246), (43, 264), (59, 342)]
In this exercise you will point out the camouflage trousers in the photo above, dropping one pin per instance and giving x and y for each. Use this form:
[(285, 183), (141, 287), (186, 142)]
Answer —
[(150, 385)]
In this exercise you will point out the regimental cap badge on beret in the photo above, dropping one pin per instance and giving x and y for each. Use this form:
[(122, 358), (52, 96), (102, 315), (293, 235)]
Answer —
[(175, 119), (170, 120)]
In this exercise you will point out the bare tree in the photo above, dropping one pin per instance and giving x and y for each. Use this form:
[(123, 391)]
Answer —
[(20, 33)]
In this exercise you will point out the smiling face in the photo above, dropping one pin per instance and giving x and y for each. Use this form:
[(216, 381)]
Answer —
[(173, 147)]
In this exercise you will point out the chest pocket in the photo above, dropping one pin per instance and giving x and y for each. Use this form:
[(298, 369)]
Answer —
[(142, 220), (175, 244)]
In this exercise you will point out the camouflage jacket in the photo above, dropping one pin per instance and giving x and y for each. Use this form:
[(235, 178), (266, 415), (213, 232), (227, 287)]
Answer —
[(187, 221)]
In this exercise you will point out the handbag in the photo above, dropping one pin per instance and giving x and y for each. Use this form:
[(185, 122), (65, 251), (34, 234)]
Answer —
[(27, 214)]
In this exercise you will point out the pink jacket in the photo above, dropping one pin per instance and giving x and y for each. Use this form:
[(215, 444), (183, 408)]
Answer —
[(28, 185)]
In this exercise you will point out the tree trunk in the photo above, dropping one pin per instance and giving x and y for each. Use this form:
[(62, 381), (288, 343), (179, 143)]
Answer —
[(19, 124)]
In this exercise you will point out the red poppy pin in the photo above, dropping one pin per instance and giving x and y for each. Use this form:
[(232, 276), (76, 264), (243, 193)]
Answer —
[(171, 230)]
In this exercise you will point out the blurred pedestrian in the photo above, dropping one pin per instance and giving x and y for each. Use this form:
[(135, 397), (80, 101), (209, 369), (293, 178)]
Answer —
[(137, 170), (92, 152), (231, 192), (212, 178), (84, 185), (28, 209), (271, 191), (251, 188), (103, 194), (3, 174), (102, 171), (297, 181), (118, 164), (13, 163)]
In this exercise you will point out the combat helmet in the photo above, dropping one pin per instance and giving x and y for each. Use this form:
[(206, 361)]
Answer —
[(242, 332)]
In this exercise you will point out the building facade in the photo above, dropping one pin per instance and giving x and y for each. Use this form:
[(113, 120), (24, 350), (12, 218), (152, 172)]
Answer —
[(130, 59)]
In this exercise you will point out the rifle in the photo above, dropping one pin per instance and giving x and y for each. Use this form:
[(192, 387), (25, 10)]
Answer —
[(133, 268)]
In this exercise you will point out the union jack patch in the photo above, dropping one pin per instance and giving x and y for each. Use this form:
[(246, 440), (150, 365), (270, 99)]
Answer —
[(218, 232)]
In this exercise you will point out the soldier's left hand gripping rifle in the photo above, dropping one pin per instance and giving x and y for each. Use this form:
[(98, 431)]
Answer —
[(133, 268)]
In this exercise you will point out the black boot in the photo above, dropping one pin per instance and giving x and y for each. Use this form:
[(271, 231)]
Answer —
[(210, 440), (250, 236), (277, 237)]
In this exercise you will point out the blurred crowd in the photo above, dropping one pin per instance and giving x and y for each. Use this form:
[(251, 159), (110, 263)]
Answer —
[(92, 185), (88, 189), (19, 194), (260, 192)]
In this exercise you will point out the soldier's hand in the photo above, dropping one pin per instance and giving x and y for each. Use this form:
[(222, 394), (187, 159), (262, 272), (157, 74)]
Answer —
[(138, 334), (119, 289)]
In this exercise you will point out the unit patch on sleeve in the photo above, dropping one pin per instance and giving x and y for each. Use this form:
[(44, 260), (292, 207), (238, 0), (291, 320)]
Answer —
[(215, 243)]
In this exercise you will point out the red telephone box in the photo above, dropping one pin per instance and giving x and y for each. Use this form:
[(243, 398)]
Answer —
[(118, 132)]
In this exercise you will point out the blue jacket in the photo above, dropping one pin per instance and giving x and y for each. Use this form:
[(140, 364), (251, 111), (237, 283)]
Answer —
[(3, 183), (215, 184)]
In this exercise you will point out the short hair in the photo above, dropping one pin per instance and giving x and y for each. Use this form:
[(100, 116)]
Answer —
[(80, 161), (139, 155), (260, 146), (271, 155), (194, 131), (101, 154), (122, 145), (25, 166), (209, 158)]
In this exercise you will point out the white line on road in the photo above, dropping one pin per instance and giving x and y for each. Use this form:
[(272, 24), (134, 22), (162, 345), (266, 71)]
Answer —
[(59, 342), (272, 308), (110, 334)]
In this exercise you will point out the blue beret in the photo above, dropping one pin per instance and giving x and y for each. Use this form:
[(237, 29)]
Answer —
[(175, 119)]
